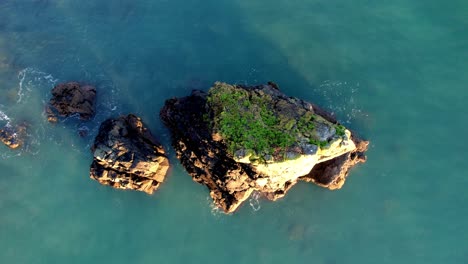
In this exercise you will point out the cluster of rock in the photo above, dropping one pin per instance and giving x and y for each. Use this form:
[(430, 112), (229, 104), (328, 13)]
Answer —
[(127, 156), (68, 99)]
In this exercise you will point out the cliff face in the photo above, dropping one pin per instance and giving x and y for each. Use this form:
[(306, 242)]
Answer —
[(236, 140)]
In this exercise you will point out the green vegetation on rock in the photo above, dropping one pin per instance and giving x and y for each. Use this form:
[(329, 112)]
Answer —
[(340, 130), (246, 119)]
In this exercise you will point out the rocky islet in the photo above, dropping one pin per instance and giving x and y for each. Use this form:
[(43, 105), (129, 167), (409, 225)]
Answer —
[(237, 139)]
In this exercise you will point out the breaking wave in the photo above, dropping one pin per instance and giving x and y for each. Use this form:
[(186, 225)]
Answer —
[(215, 210), (31, 80), (254, 201), (5, 120)]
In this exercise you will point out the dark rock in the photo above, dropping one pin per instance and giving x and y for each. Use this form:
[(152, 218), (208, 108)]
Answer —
[(332, 173), (324, 132), (71, 98), (127, 156), (309, 149), (83, 131)]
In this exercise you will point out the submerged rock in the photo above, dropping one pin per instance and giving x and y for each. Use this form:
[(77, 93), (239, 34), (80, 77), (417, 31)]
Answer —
[(127, 156), (13, 136), (237, 139), (71, 98)]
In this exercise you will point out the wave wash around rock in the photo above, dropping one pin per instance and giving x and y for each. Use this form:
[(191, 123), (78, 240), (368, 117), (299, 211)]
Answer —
[(237, 139)]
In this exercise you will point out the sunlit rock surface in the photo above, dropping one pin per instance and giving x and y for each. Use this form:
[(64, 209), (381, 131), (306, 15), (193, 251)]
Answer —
[(13, 136), (127, 156)]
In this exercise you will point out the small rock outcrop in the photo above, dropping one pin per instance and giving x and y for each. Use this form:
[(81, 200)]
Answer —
[(13, 136), (71, 98), (127, 156), (237, 139)]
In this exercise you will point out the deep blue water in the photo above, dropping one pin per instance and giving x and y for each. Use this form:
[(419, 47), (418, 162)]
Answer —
[(395, 71)]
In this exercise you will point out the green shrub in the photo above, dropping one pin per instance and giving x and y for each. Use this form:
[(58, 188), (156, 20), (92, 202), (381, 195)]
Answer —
[(340, 130)]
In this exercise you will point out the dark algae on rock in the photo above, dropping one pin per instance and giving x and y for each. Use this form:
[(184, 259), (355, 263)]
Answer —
[(239, 139), (127, 156)]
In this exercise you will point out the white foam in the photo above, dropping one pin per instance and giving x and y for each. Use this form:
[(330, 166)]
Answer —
[(21, 76), (32, 79), (3, 116), (215, 210), (33, 84), (254, 201)]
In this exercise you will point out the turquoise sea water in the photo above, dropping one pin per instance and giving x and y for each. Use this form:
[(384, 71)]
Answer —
[(396, 71)]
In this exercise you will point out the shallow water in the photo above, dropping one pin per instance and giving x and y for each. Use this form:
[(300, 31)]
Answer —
[(394, 71)]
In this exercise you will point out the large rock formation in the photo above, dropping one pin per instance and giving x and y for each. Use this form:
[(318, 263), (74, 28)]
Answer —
[(127, 156), (71, 98), (13, 136), (237, 139)]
